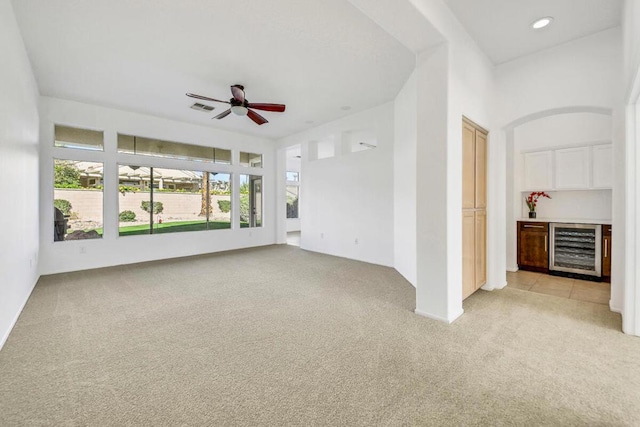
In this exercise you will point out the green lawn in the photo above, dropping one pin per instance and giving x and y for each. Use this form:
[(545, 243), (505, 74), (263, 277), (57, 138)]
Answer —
[(173, 227)]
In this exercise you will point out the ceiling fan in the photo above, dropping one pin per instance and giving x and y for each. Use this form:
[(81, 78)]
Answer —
[(241, 107)]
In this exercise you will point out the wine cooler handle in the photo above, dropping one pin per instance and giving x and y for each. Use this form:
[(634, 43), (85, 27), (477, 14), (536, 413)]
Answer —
[(545, 243)]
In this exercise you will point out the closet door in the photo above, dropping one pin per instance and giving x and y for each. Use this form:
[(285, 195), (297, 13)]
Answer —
[(468, 253), (474, 208), (480, 249), (481, 170), (468, 166)]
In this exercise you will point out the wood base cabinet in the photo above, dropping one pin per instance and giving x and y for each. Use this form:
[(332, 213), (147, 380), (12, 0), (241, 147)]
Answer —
[(533, 246), (606, 253)]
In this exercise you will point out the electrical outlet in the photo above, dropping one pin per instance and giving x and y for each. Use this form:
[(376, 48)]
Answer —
[(356, 242), (83, 250), (322, 235)]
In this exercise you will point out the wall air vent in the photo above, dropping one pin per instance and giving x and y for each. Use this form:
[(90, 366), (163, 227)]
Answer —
[(202, 107)]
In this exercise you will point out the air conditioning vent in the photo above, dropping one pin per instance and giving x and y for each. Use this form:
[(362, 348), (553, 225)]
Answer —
[(202, 107)]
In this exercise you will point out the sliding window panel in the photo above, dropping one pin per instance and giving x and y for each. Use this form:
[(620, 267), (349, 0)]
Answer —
[(250, 201), (180, 200), (293, 192), (134, 200), (221, 210), (78, 200)]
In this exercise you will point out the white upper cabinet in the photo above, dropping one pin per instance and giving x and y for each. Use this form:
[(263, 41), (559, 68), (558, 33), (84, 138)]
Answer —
[(538, 171), (572, 168), (602, 166)]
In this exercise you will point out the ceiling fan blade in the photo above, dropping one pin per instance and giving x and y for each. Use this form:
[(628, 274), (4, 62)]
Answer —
[(193, 95), (278, 108), (238, 93), (256, 117), (222, 115)]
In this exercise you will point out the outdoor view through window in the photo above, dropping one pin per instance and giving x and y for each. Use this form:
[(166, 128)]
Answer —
[(158, 200)]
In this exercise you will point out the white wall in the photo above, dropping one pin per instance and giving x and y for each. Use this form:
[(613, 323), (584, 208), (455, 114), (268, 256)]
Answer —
[(349, 196), (453, 79), (18, 173), (630, 176), (631, 25), (563, 129), (405, 164), (580, 76), (111, 249)]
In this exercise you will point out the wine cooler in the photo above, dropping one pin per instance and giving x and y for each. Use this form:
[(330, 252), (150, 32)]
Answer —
[(575, 248)]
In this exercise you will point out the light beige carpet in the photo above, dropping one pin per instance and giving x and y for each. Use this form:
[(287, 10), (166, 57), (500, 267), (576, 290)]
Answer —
[(280, 336)]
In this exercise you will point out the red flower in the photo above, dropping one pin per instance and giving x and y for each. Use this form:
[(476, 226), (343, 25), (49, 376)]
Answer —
[(532, 199)]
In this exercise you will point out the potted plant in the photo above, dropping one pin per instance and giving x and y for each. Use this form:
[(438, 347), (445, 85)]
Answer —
[(532, 201)]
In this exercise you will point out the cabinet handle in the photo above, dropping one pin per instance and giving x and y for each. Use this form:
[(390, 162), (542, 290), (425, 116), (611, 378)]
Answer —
[(609, 229), (606, 246), (545, 243), (533, 226)]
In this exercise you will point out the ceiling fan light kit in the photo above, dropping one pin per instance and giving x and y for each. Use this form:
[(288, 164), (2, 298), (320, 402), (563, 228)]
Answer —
[(241, 107)]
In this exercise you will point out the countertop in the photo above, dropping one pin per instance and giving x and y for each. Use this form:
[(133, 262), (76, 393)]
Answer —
[(568, 221)]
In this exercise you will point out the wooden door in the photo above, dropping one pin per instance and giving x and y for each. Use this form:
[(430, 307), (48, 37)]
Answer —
[(481, 170), (468, 253), (474, 205), (480, 249), (468, 166)]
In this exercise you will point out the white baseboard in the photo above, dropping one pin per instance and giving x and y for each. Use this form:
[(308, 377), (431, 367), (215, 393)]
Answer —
[(15, 318), (512, 269), (614, 308), (439, 318)]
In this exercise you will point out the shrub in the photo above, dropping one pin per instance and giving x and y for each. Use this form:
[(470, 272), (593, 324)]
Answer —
[(63, 205), (224, 205), (66, 175), (127, 216), (157, 207), (244, 207)]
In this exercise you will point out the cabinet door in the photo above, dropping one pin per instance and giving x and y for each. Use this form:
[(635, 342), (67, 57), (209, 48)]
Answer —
[(606, 256), (572, 168), (533, 249), (602, 166), (538, 171), (481, 170), (481, 249), (468, 253), (468, 166)]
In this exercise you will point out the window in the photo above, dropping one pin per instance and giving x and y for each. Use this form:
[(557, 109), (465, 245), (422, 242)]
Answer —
[(154, 147), (293, 191), (81, 139), (77, 204), (159, 200), (293, 176), (250, 201), (251, 160)]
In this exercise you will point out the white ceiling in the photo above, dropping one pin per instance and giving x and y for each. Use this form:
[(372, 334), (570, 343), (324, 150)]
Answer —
[(502, 27), (144, 55)]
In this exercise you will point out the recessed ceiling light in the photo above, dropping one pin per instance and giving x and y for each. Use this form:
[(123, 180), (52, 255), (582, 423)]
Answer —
[(345, 107), (541, 23)]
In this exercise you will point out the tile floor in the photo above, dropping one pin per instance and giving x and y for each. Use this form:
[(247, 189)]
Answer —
[(583, 290)]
